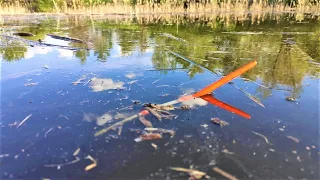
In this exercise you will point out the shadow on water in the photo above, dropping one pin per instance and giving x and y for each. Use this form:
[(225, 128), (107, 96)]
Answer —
[(74, 89)]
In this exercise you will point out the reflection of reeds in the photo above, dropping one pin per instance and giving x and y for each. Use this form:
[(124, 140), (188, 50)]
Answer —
[(119, 7), (228, 19)]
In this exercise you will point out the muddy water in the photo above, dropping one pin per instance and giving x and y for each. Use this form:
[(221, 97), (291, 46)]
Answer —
[(72, 90)]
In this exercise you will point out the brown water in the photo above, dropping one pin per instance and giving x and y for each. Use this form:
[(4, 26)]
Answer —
[(156, 59)]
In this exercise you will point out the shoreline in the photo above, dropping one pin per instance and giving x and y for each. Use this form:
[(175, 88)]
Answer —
[(148, 14)]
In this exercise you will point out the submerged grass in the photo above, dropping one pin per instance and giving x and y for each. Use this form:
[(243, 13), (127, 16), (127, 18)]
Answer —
[(126, 8)]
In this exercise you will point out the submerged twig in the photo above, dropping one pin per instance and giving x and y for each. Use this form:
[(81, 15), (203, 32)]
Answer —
[(148, 137), (246, 79), (156, 80), (63, 164), (254, 99), (60, 115), (94, 163), (193, 173), (145, 122), (31, 84), (263, 136), (24, 120), (171, 132), (76, 152), (115, 125), (186, 59), (45, 135), (119, 130), (296, 140), (153, 112), (225, 174), (173, 37), (65, 38)]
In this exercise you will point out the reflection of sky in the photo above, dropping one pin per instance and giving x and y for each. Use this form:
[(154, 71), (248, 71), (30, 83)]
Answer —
[(31, 52)]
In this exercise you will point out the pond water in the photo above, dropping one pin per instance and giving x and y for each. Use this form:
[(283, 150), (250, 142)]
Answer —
[(55, 98)]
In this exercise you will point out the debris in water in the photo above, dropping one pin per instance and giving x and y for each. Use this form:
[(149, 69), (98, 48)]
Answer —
[(243, 33), (54, 36), (119, 130), (298, 158), (263, 136), (163, 86), (225, 174), (63, 164), (93, 165), (23, 34), (253, 98), (160, 130), (154, 146), (219, 122), (87, 82), (136, 102), (4, 155), (155, 113), (148, 136), (119, 123), (45, 135), (173, 37), (193, 173), (145, 121), (246, 79), (227, 151), (60, 115), (24, 120), (293, 139), (76, 152), (79, 81), (156, 81), (291, 99), (204, 125), (31, 84), (159, 107)]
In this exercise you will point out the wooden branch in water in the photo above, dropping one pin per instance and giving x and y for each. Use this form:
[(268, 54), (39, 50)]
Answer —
[(115, 125), (120, 123), (153, 112), (33, 43), (225, 174), (263, 136), (190, 61), (63, 164), (24, 120), (66, 38)]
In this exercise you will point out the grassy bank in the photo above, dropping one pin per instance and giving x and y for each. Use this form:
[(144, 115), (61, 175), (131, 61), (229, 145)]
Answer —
[(155, 7)]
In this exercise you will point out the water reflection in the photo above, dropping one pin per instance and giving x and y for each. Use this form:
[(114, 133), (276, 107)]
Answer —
[(219, 43)]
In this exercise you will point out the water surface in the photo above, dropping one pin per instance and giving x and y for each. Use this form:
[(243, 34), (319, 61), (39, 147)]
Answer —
[(130, 59)]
